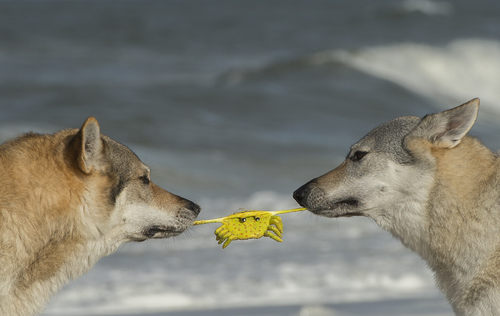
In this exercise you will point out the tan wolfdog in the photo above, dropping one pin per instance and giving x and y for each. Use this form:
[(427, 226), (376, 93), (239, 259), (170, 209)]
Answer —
[(67, 200), (436, 190)]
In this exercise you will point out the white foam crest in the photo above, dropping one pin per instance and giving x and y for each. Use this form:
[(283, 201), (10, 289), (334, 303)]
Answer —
[(457, 72), (428, 7), (292, 284)]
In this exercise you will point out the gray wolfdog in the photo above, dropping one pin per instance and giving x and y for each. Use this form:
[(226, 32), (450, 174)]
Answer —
[(67, 200), (436, 190)]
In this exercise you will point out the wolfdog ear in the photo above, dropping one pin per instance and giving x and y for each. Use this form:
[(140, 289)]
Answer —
[(89, 151), (446, 129)]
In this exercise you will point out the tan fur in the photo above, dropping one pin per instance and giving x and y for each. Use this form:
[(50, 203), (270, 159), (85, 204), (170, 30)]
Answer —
[(57, 215), (334, 176), (433, 188), (465, 211)]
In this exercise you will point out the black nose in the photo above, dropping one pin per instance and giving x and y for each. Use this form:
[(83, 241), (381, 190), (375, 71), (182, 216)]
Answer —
[(195, 208), (300, 195)]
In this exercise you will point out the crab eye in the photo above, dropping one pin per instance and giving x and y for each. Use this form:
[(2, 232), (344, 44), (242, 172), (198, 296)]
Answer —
[(358, 155), (243, 220), (257, 219)]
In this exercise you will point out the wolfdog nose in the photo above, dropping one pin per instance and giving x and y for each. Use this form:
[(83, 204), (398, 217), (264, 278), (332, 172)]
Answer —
[(301, 193), (195, 208)]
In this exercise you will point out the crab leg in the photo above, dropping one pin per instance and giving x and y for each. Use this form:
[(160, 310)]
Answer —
[(276, 220), (222, 234), (208, 221), (288, 211), (272, 235), (272, 229)]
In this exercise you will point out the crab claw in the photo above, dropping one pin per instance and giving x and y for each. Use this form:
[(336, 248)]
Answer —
[(272, 229), (221, 234), (276, 220), (220, 230), (272, 235), (228, 241), (220, 239)]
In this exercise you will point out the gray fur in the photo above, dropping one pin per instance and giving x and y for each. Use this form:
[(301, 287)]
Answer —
[(388, 138)]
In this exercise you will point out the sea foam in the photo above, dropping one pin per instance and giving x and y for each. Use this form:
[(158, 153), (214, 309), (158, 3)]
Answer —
[(457, 72)]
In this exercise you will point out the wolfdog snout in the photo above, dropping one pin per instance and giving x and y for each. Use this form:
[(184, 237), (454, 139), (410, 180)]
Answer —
[(193, 207), (300, 195)]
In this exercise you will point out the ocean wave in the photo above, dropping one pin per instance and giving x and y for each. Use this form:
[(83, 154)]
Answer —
[(292, 285), (459, 71), (456, 72)]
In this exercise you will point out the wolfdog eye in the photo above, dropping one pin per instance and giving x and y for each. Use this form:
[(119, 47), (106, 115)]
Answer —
[(144, 179), (358, 155)]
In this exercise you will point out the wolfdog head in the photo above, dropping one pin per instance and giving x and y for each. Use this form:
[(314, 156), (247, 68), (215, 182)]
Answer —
[(389, 170), (119, 192)]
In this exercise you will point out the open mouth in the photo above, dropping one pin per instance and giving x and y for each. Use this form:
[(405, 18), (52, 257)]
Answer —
[(161, 232)]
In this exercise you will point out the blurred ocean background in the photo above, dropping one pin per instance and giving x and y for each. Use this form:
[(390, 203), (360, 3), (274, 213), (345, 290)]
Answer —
[(235, 104)]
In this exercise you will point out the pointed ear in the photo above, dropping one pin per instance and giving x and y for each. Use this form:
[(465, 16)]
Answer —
[(446, 129), (90, 146)]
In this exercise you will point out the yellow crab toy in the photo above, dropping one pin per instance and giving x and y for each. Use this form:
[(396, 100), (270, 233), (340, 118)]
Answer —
[(251, 224)]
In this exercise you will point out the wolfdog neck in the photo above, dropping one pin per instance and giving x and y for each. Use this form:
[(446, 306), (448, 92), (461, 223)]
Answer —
[(457, 232)]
